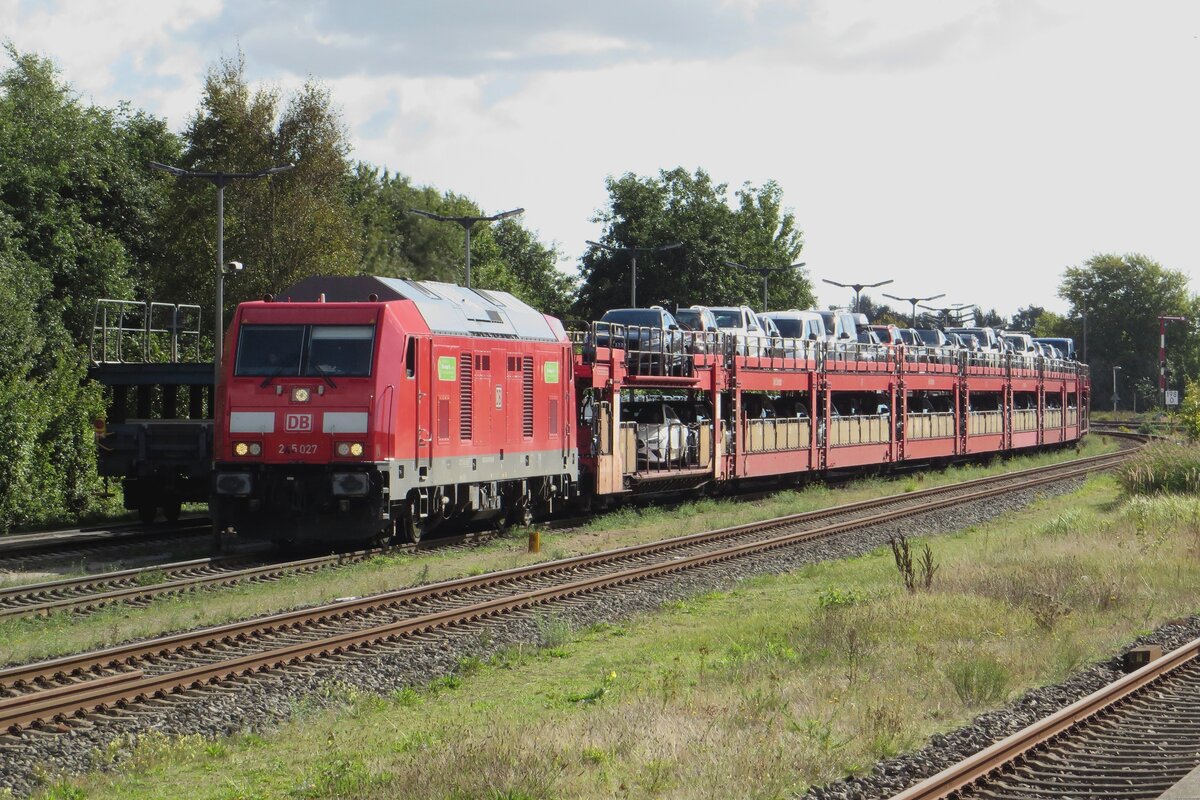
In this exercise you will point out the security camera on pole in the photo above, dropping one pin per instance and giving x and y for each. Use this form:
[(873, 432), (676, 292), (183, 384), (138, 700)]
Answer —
[(220, 180)]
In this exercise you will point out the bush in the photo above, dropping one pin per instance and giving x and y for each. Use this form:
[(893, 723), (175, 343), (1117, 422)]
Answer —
[(1188, 415), (1163, 467), (979, 680)]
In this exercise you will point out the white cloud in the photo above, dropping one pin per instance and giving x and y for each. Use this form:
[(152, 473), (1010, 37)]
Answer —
[(975, 147)]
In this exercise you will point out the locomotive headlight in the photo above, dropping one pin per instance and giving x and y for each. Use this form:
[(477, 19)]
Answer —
[(356, 449), (300, 395), (347, 449), (343, 449), (241, 449), (255, 449)]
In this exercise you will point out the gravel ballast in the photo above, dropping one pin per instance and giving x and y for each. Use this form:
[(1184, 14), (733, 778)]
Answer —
[(257, 703)]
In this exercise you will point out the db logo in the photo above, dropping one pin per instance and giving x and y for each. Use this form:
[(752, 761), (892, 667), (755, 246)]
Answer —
[(298, 422)]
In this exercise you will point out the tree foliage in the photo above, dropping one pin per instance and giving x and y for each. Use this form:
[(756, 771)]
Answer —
[(396, 243), (1123, 296), (678, 206), (75, 224), (283, 228)]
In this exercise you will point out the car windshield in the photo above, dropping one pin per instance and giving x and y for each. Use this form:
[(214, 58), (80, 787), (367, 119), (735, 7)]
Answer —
[(728, 317), (645, 413), (908, 337), (640, 317), (929, 337), (791, 328), (690, 319), (308, 350)]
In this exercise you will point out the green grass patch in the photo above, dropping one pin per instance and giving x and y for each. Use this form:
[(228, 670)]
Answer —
[(785, 682), (24, 640), (1172, 467)]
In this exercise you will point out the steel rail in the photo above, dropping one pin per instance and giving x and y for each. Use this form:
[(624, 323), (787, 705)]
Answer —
[(25, 599), (87, 661), (20, 545), (14, 716), (95, 591), (1006, 752)]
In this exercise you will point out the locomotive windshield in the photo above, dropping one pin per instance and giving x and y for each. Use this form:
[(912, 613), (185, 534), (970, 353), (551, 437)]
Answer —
[(305, 350)]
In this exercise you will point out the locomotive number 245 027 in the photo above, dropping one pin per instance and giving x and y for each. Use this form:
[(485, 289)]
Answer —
[(297, 449)]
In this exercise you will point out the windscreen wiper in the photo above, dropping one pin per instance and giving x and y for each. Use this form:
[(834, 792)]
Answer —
[(324, 375), (272, 376)]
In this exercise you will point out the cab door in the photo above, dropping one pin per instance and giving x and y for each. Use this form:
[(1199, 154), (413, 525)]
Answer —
[(425, 371)]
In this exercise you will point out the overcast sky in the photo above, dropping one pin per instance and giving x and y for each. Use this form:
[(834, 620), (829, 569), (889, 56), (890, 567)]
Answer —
[(973, 147)]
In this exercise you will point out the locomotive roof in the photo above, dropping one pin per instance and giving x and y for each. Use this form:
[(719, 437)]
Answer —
[(445, 307)]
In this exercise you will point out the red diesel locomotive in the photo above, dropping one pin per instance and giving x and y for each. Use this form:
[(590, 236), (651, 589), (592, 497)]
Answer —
[(369, 408)]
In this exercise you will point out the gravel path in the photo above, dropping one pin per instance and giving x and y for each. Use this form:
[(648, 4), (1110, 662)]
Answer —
[(259, 702)]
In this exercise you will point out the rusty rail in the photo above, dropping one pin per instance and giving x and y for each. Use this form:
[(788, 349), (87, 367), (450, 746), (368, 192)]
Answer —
[(1004, 754), (82, 695)]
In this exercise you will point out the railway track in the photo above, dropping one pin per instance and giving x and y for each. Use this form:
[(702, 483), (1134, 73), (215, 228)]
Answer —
[(1134, 738), (140, 585), (34, 552), (75, 688)]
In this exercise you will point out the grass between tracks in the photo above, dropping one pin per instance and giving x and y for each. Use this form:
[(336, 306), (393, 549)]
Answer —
[(28, 639), (785, 682)]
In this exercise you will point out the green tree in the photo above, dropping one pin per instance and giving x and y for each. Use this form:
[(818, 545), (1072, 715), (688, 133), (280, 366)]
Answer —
[(1026, 319), (1123, 295), (78, 217), (688, 207), (881, 313), (70, 179), (284, 228), (505, 256)]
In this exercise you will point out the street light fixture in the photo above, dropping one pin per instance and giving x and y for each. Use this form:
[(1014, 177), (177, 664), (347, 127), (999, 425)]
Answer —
[(949, 312), (220, 180), (764, 271), (914, 301), (858, 287), (636, 251), (1115, 368), (467, 223)]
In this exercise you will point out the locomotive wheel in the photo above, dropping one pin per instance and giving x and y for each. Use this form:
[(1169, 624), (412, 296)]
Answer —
[(410, 530), (171, 510)]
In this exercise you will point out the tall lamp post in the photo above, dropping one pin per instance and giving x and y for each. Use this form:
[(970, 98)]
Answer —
[(949, 312), (858, 287), (1162, 355), (467, 223), (764, 271), (636, 251), (914, 301), (1115, 368), (219, 180)]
